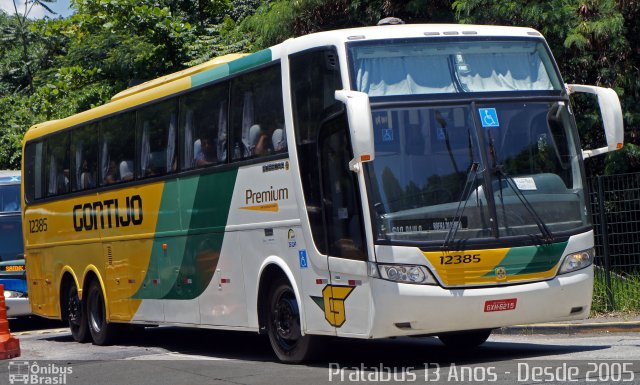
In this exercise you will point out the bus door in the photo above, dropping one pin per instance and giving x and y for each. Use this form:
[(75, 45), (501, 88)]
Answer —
[(348, 295), (331, 197)]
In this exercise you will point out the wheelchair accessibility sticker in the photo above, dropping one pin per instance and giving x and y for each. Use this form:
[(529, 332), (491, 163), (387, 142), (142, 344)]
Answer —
[(488, 117)]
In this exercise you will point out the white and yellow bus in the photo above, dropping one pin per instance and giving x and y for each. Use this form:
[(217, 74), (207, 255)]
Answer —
[(385, 181)]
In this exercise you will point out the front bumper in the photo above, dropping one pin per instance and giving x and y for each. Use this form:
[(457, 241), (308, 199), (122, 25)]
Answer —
[(17, 307), (406, 309)]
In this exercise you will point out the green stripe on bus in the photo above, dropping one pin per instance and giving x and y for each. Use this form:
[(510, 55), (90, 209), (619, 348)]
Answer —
[(184, 269), (202, 250), (230, 68), (210, 75), (531, 259), (252, 60)]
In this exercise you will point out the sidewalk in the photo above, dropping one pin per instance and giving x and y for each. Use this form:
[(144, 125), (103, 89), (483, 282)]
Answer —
[(601, 324)]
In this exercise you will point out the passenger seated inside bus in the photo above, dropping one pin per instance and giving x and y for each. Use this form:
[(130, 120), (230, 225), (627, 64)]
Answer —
[(259, 141), (279, 140), (112, 173), (205, 151), (125, 170), (86, 178)]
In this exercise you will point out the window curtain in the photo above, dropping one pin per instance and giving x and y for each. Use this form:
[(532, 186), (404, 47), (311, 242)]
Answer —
[(505, 72), (188, 156), (404, 75), (145, 150), (104, 159), (171, 142), (52, 176), (222, 133), (247, 121), (78, 170)]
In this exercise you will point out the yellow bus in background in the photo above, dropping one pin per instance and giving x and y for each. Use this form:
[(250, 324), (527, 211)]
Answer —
[(373, 182)]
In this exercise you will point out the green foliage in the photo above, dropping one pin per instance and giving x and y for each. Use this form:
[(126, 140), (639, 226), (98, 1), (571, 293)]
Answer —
[(624, 290), (56, 67), (623, 161), (594, 41), (278, 20)]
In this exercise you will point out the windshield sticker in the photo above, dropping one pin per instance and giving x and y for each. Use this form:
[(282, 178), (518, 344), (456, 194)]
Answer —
[(489, 117), (429, 224), (526, 184), (387, 135), (382, 121)]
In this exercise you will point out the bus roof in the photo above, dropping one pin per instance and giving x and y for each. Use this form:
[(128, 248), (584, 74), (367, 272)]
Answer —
[(157, 88), (228, 64), (176, 75), (399, 31)]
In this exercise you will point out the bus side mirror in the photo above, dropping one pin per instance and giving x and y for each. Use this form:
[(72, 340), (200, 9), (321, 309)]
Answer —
[(611, 117), (360, 125)]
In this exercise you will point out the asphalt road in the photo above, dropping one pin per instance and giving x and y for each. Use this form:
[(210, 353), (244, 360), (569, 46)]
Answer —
[(171, 355)]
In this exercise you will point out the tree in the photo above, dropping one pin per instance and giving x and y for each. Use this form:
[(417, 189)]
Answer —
[(18, 32), (591, 42), (276, 21)]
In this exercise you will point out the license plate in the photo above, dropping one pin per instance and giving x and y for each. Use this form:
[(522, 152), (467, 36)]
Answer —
[(500, 305)]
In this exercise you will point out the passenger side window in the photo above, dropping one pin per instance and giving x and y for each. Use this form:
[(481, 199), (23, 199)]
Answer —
[(57, 164), (84, 157), (117, 149), (203, 127), (257, 118), (157, 138), (341, 196), (34, 180)]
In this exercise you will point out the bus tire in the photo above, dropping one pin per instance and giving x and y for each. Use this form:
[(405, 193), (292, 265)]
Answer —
[(466, 340), (76, 316), (102, 332), (283, 327)]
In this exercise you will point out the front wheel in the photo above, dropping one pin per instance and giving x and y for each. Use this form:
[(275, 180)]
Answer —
[(76, 316), (102, 332), (284, 329), (467, 339)]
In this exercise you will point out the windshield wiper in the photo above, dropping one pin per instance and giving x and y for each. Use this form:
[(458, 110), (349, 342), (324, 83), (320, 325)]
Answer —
[(498, 168), (547, 235), (464, 196)]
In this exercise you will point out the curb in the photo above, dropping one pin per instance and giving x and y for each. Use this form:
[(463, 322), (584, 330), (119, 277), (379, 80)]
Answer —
[(572, 328)]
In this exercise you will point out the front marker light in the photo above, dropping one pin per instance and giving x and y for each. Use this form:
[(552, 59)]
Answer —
[(14, 294), (577, 261), (406, 274)]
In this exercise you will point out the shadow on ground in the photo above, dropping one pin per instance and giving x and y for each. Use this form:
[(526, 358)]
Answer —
[(400, 352), (29, 323)]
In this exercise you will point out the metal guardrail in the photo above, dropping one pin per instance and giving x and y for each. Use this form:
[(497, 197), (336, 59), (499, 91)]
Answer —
[(615, 206)]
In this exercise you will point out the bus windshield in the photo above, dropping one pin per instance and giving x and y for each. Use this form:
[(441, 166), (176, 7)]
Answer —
[(430, 171), (468, 169), (421, 66), (10, 223)]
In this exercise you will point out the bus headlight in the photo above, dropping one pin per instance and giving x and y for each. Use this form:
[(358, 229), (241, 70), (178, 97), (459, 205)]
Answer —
[(404, 273), (577, 261)]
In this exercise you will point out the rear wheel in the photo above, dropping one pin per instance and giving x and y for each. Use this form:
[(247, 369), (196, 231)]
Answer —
[(102, 332), (283, 326), (76, 316), (468, 339)]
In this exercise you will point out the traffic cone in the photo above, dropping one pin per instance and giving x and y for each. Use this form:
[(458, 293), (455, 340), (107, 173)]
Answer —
[(9, 346)]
